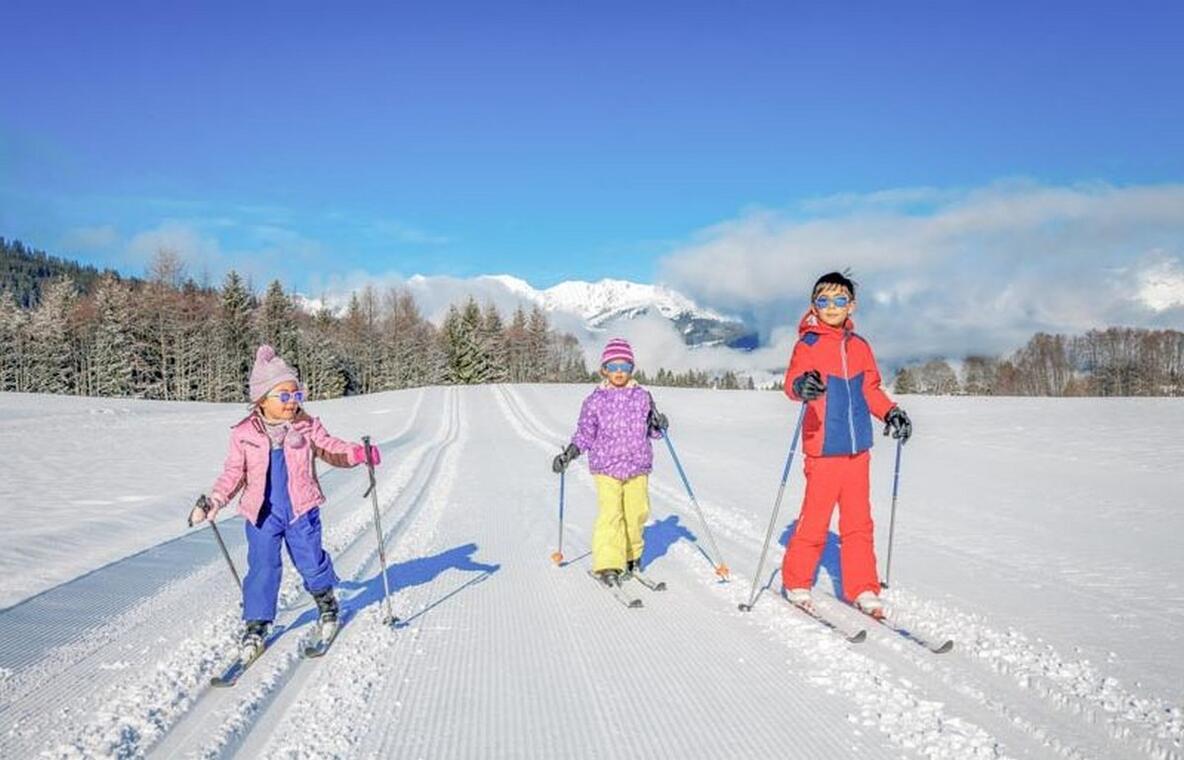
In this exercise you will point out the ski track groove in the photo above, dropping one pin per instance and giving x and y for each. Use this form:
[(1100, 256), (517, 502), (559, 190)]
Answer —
[(1115, 720)]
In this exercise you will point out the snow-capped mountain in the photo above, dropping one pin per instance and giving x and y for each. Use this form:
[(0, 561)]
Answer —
[(595, 305), (602, 303)]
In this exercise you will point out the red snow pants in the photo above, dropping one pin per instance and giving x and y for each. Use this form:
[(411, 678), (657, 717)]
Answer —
[(829, 480)]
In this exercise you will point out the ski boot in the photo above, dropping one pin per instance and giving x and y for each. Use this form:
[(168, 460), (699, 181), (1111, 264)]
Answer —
[(799, 596), (631, 567), (610, 578), (328, 608), (253, 640), (870, 604)]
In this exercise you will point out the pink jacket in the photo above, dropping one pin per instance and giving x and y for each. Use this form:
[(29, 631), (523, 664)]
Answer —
[(247, 462)]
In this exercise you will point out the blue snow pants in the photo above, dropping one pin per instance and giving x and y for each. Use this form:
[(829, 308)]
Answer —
[(265, 566)]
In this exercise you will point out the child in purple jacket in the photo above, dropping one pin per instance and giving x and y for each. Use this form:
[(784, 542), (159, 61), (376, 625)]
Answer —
[(616, 424)]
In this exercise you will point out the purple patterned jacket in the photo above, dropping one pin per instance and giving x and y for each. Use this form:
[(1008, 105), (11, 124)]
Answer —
[(614, 431)]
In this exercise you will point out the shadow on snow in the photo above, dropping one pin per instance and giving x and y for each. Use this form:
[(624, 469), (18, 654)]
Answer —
[(404, 575)]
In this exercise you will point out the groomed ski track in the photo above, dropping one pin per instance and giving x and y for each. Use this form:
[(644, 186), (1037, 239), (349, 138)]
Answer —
[(502, 654)]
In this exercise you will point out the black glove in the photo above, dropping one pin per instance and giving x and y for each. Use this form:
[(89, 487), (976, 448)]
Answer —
[(560, 463), (809, 386), (897, 423), (658, 421)]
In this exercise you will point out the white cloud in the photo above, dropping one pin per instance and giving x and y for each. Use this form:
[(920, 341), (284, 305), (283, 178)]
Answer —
[(976, 270), (1163, 285)]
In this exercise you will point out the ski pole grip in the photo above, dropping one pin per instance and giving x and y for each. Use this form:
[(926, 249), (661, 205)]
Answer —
[(203, 504), (369, 465)]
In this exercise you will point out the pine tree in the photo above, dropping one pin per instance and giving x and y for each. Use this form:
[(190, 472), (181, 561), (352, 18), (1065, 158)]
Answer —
[(234, 340), (536, 346), (467, 359), (904, 382), (493, 346), (518, 348), (277, 325)]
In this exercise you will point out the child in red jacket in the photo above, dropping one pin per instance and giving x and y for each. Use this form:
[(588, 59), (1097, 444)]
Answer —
[(833, 371)]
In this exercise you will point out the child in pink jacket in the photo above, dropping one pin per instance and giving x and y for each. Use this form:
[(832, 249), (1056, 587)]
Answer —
[(271, 463)]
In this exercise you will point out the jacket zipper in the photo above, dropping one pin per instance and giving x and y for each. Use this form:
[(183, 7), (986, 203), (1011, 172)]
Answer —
[(847, 379)]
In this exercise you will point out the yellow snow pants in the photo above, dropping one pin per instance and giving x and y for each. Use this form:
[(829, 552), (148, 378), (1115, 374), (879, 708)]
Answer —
[(624, 507)]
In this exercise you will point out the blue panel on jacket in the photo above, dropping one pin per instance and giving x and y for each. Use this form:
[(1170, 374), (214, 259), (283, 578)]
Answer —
[(848, 425)]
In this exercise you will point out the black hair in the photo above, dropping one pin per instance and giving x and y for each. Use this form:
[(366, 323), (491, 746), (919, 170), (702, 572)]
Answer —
[(838, 279)]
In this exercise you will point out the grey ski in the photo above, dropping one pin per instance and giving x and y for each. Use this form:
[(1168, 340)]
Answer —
[(235, 670), (935, 644), (850, 633), (645, 580), (618, 593), (321, 646)]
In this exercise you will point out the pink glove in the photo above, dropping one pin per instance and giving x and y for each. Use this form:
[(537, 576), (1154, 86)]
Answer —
[(359, 455)]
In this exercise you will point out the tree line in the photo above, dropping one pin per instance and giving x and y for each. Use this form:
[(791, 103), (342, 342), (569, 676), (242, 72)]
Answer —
[(23, 271), (1116, 361), (165, 337), (725, 381)]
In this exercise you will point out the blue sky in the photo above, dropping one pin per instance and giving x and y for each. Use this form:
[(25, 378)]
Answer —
[(551, 141)]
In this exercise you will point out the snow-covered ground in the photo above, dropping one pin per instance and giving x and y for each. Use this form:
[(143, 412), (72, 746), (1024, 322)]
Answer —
[(1041, 534)]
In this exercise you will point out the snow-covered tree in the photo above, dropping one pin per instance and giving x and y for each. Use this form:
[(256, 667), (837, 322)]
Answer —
[(14, 358), (111, 352), (323, 371), (53, 361)]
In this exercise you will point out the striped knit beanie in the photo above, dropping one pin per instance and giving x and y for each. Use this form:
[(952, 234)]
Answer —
[(617, 349)]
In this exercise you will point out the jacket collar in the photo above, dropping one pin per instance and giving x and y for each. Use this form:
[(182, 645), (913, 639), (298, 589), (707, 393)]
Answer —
[(254, 418), (810, 323), (605, 385)]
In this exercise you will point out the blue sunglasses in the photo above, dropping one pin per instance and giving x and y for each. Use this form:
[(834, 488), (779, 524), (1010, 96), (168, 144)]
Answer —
[(840, 302), (286, 396), (618, 367)]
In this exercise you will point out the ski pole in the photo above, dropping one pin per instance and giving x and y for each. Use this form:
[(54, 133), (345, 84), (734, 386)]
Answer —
[(203, 504), (557, 557), (721, 569), (372, 492), (892, 518), (760, 565)]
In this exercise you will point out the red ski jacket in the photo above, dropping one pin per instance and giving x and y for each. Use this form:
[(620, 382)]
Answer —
[(838, 423)]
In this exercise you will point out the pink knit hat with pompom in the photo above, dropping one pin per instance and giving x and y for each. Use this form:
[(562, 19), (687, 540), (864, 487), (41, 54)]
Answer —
[(268, 372)]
